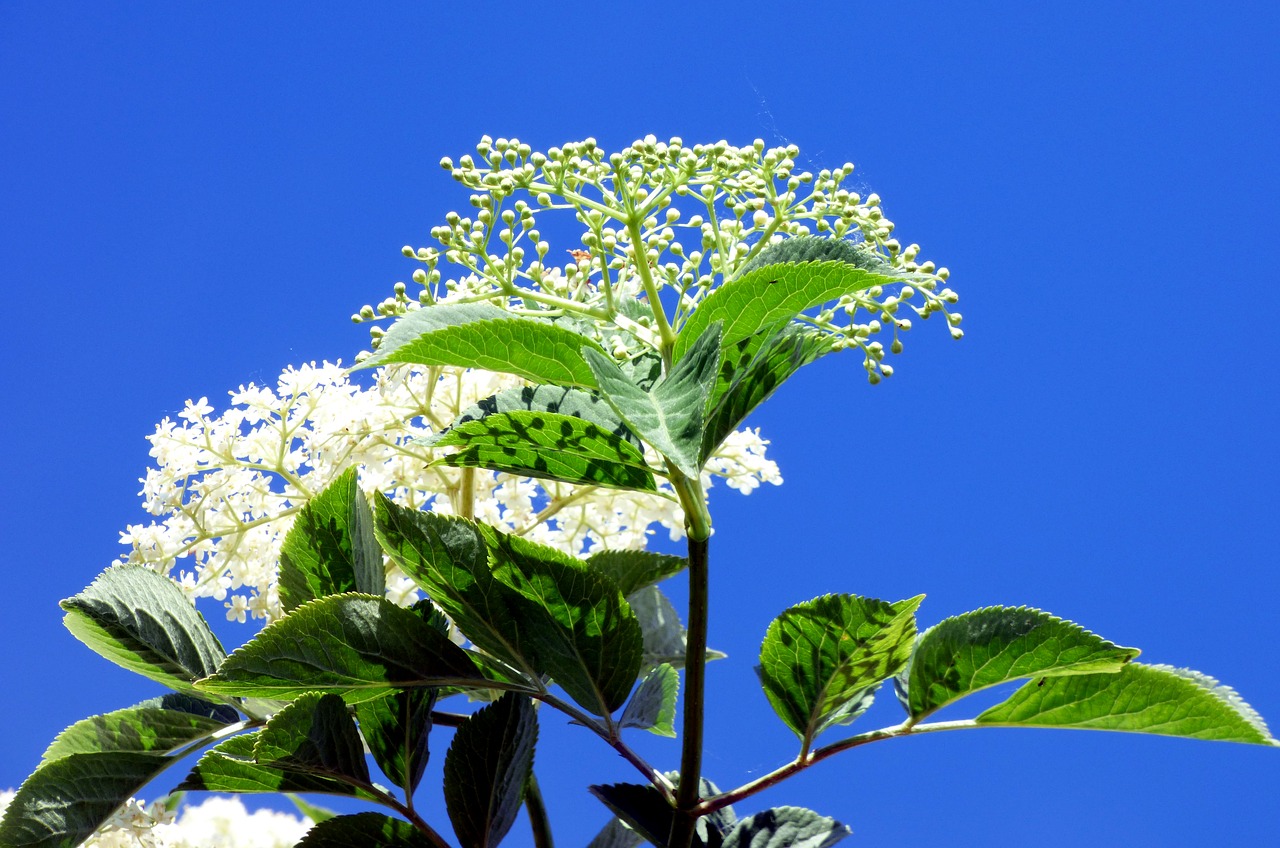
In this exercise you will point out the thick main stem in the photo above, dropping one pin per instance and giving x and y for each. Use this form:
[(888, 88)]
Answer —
[(695, 667)]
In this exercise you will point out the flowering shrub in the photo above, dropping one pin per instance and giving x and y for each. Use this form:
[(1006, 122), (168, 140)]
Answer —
[(473, 523)]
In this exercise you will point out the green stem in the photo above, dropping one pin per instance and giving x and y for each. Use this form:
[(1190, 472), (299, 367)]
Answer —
[(665, 332), (537, 811), (695, 667)]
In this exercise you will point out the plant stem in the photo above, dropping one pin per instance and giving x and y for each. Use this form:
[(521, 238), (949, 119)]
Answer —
[(537, 811), (695, 667)]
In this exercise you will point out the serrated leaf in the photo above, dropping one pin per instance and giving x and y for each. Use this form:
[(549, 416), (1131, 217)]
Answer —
[(780, 290), (154, 726), (820, 655), (67, 799), (315, 735), (357, 646), (551, 447), (813, 248), (562, 400), (576, 625), (480, 335), (367, 830), (664, 635), (308, 810), (632, 571), (653, 706), (396, 729), (672, 415), (140, 620), (643, 809), (752, 371), (486, 768), (531, 606), (786, 827), (230, 767), (969, 652), (1137, 699), (330, 549)]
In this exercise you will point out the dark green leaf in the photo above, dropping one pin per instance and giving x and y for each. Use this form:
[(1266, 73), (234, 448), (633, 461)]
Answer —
[(230, 767), (330, 548), (480, 335), (671, 416), (140, 620), (575, 624), (486, 769), (560, 400), (67, 799), (357, 646), (366, 830), (643, 809), (763, 362), (551, 447), (615, 834), (396, 729), (779, 291), (653, 706), (970, 652), (821, 249), (786, 827), (634, 570), (151, 727), (820, 655), (314, 735), (1137, 699)]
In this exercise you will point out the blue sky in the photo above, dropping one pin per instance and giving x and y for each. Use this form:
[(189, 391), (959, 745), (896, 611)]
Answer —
[(194, 197)]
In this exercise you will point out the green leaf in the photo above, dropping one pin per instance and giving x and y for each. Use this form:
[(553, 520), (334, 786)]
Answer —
[(140, 620), (780, 290), (154, 727), (574, 624), (314, 735), (786, 827), (664, 635), (486, 768), (230, 767), (531, 606), (67, 799), (367, 830), (671, 416), (821, 655), (615, 834), (357, 646), (824, 248), (653, 706), (642, 808), (396, 729), (969, 652), (550, 447), (480, 335), (330, 549), (561, 400), (1137, 699), (311, 811), (634, 570), (752, 371)]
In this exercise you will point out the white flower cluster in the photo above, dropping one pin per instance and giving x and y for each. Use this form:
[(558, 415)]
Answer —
[(227, 486), (215, 823)]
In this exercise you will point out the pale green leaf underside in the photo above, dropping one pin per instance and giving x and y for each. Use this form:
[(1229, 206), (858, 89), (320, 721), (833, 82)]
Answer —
[(1137, 699), (356, 646), (140, 620), (549, 446), (480, 335), (486, 768), (969, 652), (672, 415), (786, 827), (820, 655), (653, 705), (774, 293)]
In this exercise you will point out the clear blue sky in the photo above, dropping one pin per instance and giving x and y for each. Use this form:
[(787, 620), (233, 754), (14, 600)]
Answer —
[(195, 196)]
